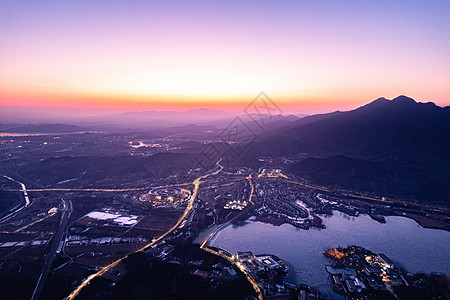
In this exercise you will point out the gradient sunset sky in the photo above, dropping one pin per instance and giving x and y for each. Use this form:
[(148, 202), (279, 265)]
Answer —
[(307, 55)]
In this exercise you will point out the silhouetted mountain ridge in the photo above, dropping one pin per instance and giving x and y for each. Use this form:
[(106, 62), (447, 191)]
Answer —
[(396, 147), (382, 129), (156, 119)]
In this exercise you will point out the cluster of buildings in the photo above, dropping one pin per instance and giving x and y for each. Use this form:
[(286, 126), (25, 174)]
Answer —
[(236, 204), (286, 203), (373, 272), (76, 240), (268, 271), (38, 242), (271, 173), (217, 272), (165, 196), (287, 209)]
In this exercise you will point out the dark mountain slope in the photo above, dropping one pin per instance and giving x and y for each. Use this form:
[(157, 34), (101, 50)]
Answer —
[(404, 179), (382, 129), (390, 147)]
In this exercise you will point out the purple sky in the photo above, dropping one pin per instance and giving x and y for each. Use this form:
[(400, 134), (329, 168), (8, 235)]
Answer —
[(307, 55)]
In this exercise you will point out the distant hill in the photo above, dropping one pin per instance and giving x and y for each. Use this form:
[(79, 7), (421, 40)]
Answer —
[(43, 128), (393, 178), (176, 121), (191, 128), (382, 129), (397, 146), (306, 120), (157, 119), (269, 122), (192, 131)]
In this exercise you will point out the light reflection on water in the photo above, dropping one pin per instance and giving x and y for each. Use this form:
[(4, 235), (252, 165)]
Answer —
[(404, 241), (13, 134)]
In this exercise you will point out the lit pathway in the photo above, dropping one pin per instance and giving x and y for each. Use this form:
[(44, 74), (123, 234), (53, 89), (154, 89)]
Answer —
[(24, 190), (35, 222), (187, 211), (250, 279), (25, 195)]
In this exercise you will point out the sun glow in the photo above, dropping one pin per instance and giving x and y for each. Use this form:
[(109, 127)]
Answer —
[(150, 55)]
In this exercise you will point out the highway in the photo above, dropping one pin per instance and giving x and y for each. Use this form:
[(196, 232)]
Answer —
[(67, 210), (186, 213), (91, 190), (252, 189), (35, 222), (24, 190)]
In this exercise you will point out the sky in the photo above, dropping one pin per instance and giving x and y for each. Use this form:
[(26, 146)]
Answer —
[(87, 57)]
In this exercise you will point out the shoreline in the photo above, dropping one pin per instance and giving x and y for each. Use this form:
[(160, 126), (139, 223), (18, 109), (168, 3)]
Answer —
[(421, 223), (213, 236), (418, 219), (217, 242)]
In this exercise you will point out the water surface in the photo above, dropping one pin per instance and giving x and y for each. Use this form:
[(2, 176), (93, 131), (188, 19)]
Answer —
[(403, 240)]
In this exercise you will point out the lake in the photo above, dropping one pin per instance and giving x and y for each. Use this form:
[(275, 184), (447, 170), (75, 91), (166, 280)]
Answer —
[(403, 240), (13, 134), (6, 134)]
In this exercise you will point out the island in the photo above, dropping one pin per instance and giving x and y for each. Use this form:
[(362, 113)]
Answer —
[(359, 273)]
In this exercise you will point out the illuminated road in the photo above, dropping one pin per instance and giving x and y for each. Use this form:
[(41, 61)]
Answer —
[(203, 246), (92, 190), (24, 190), (231, 260), (206, 235), (35, 222), (252, 189), (25, 195), (186, 213), (112, 190), (67, 210)]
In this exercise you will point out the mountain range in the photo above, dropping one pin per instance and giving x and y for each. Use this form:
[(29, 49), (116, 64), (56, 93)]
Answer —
[(395, 146), (382, 129), (156, 119)]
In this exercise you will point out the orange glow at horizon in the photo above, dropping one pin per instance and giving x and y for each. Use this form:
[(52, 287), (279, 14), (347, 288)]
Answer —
[(123, 103), (312, 103), (307, 56)]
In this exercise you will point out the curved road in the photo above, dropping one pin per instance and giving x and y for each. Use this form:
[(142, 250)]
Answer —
[(203, 246), (186, 213), (25, 195)]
